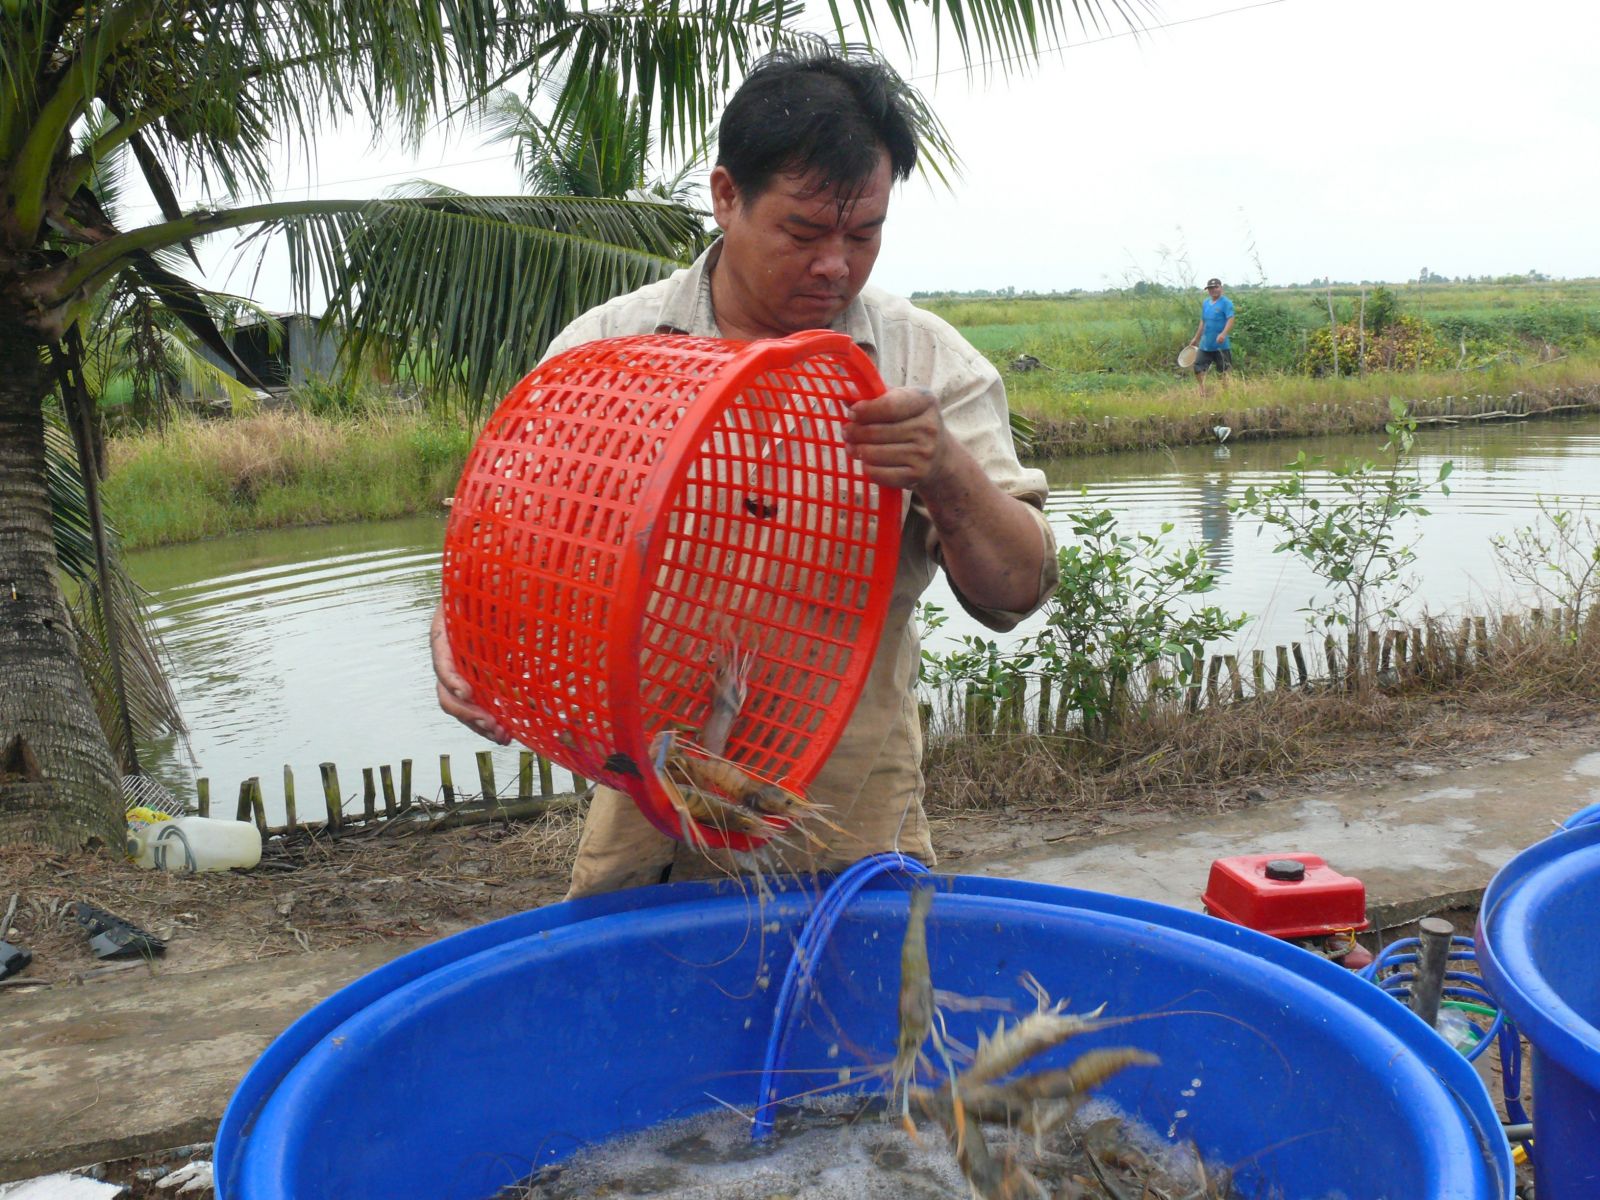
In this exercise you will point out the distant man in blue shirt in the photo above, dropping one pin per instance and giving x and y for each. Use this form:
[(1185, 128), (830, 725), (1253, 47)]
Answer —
[(1216, 323)]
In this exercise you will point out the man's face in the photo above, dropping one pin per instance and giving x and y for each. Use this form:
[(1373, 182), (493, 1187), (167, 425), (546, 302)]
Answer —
[(1214, 290), (792, 259)]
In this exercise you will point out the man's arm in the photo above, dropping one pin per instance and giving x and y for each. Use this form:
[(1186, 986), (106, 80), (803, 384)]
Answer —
[(992, 546), (1226, 330)]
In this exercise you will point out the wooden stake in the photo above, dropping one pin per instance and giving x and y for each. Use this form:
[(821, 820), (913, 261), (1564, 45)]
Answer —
[(486, 775), (1480, 635), (547, 782), (332, 796), (202, 787), (1258, 670), (407, 796), (288, 799), (242, 810), (525, 775), (1042, 722), (258, 806), (369, 796), (1299, 663), (390, 805), (1281, 679), (446, 784), (1213, 672), (1235, 680)]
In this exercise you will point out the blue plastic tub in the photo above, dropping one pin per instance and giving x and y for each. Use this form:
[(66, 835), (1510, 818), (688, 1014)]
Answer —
[(1539, 949), (462, 1067)]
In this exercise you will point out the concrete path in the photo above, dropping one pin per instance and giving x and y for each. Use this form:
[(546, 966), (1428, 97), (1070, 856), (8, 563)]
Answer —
[(144, 1061), (1420, 844)]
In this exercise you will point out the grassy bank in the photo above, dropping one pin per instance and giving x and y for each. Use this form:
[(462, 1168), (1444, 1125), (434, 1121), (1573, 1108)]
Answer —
[(1175, 413), (200, 479), (1106, 380)]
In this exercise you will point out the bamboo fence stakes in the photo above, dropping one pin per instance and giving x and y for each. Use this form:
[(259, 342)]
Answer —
[(241, 811), (407, 797), (525, 775), (547, 783), (1213, 672), (1193, 698), (258, 806), (1280, 676), (1235, 680), (447, 785), (202, 787), (332, 796), (391, 805), (1258, 670), (486, 775), (1300, 664), (369, 795), (289, 821)]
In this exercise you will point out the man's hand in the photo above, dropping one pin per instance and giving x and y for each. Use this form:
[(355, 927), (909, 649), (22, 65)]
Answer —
[(455, 694), (899, 438)]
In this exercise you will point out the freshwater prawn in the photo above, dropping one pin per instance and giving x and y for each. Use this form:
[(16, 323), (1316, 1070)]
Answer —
[(710, 789)]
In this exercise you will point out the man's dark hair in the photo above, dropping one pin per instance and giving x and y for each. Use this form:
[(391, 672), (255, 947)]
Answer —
[(818, 113)]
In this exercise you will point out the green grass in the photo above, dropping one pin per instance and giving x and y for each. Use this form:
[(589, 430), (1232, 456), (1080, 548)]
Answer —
[(198, 479), (1109, 382), (1130, 331)]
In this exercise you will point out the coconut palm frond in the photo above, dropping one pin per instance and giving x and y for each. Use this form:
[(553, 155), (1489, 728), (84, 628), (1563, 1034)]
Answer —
[(152, 706), (469, 290)]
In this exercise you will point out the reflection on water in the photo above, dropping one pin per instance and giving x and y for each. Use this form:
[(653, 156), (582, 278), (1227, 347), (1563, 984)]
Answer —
[(307, 645), (299, 646)]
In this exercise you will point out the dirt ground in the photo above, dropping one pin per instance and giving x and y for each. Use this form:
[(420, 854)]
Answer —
[(312, 892)]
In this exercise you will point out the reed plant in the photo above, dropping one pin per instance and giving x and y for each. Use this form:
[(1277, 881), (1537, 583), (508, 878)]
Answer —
[(199, 478)]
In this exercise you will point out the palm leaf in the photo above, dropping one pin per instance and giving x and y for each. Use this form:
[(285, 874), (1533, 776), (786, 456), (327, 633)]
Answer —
[(470, 290), (152, 706)]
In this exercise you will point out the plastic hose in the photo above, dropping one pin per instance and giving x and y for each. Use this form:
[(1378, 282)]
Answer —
[(1466, 991), (1459, 986), (814, 935)]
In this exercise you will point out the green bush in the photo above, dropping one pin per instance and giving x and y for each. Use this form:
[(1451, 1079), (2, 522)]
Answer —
[(1408, 344), (1266, 336)]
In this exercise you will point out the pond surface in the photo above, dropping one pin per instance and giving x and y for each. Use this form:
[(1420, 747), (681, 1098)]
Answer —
[(300, 646)]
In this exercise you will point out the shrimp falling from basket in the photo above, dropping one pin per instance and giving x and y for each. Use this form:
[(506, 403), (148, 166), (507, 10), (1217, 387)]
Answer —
[(709, 790)]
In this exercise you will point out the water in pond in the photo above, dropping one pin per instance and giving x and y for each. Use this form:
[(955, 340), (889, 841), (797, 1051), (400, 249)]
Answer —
[(300, 646)]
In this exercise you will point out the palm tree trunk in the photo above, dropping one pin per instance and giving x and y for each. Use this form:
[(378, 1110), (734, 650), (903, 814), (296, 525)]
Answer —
[(58, 784)]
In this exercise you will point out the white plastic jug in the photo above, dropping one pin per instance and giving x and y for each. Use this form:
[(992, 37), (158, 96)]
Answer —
[(194, 844)]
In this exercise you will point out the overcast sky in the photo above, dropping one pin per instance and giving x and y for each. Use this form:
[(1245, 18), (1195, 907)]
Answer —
[(1357, 139)]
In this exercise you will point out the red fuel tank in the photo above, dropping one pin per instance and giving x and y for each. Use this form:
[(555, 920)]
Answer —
[(1285, 895)]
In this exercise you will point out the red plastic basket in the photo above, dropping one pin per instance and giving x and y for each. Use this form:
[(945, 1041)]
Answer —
[(634, 504)]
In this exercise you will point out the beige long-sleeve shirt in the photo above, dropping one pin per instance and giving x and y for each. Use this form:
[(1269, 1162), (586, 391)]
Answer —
[(872, 783)]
